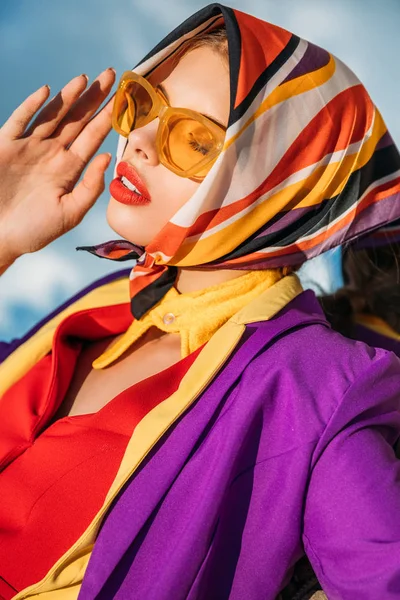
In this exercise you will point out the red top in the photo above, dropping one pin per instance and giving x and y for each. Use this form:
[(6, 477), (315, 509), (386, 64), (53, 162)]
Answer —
[(54, 480)]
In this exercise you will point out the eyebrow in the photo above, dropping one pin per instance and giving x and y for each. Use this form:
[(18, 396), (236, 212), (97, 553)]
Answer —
[(164, 92)]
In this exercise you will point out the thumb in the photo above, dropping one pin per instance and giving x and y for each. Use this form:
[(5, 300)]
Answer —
[(85, 194)]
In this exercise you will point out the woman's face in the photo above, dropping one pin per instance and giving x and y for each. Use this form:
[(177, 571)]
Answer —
[(200, 82)]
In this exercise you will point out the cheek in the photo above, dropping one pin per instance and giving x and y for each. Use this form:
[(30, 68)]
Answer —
[(170, 195)]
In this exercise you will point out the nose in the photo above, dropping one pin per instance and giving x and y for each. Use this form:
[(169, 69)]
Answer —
[(142, 144)]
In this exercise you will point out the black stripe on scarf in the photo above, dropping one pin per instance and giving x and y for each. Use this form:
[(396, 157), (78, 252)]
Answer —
[(266, 75), (144, 300), (382, 163)]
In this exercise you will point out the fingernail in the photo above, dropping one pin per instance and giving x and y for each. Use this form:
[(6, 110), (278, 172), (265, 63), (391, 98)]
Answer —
[(112, 70), (45, 86), (85, 76)]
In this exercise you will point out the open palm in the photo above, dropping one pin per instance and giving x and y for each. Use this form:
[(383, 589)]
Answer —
[(41, 197)]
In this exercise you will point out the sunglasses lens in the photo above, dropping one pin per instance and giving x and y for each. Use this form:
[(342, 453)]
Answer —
[(132, 107), (187, 142)]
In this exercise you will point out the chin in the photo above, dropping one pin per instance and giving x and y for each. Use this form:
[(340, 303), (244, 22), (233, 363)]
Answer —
[(120, 220)]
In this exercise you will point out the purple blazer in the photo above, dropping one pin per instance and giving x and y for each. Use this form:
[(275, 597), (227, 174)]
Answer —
[(288, 451), (373, 338)]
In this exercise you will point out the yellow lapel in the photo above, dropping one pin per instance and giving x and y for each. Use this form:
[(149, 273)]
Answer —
[(28, 354)]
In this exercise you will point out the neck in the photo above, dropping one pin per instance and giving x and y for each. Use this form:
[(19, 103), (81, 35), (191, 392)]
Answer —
[(192, 280)]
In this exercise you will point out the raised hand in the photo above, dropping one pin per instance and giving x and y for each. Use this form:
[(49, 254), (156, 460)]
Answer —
[(41, 163)]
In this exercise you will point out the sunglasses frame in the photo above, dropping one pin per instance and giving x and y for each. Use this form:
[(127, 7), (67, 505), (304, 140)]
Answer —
[(164, 112)]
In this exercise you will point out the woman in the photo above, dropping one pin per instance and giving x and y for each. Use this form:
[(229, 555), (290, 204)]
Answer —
[(226, 430), (367, 308)]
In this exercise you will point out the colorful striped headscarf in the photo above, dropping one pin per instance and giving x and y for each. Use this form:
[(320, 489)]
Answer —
[(386, 235), (307, 163)]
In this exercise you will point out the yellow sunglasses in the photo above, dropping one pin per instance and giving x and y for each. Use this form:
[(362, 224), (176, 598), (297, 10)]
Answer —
[(188, 143)]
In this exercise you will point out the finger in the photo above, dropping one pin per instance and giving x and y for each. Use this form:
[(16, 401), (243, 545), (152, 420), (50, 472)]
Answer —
[(85, 107), (92, 136), (51, 115), (15, 126), (81, 199)]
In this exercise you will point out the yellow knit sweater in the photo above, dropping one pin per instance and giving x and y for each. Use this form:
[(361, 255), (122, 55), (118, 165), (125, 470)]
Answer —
[(195, 316)]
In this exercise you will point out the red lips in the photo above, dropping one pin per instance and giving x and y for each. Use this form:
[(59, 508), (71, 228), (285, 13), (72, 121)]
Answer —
[(122, 193)]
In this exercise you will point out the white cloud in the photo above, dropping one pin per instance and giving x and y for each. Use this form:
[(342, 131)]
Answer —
[(322, 274), (39, 278)]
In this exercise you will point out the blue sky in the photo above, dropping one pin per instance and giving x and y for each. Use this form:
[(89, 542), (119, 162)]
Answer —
[(50, 42)]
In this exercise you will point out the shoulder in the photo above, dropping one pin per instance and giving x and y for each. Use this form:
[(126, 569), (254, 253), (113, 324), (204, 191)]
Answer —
[(317, 346), (300, 338), (369, 336), (308, 370), (108, 290)]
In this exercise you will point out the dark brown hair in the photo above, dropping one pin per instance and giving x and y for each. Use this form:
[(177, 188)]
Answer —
[(372, 286)]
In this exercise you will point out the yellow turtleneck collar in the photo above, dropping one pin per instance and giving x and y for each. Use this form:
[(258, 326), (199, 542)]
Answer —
[(194, 316)]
